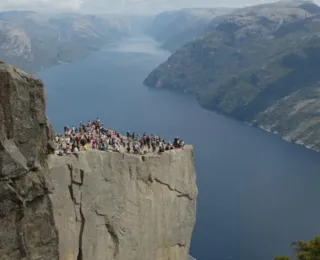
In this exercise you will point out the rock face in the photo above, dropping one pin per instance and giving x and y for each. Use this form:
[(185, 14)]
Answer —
[(26, 217), (117, 206), (94, 205)]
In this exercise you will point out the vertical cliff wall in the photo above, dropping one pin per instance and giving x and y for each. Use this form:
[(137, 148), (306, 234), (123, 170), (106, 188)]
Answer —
[(91, 206), (117, 206), (27, 229)]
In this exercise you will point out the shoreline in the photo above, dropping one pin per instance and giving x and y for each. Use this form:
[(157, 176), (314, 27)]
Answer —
[(251, 124), (109, 46), (298, 142), (59, 62)]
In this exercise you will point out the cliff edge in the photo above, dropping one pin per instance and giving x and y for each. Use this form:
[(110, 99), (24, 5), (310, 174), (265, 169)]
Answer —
[(92, 205), (123, 206)]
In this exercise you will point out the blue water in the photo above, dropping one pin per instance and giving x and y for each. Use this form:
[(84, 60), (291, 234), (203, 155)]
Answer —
[(257, 192)]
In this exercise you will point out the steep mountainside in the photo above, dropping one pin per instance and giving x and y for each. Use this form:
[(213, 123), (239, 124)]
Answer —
[(174, 28), (259, 64), (26, 218), (34, 41), (90, 205)]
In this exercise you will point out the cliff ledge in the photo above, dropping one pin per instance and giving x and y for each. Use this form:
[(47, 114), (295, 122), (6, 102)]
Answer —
[(93, 205)]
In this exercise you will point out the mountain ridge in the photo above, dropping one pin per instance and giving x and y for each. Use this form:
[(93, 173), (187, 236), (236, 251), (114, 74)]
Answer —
[(176, 27), (254, 65), (33, 41)]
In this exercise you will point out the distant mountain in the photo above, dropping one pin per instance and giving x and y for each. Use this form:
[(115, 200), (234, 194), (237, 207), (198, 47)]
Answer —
[(175, 28), (260, 64), (32, 41)]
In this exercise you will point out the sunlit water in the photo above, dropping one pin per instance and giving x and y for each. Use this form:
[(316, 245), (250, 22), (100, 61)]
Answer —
[(257, 192)]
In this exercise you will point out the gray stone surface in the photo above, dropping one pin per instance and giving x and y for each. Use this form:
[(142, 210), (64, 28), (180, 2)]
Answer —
[(26, 219), (93, 206), (109, 205)]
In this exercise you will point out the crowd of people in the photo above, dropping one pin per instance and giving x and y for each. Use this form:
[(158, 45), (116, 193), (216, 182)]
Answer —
[(93, 135)]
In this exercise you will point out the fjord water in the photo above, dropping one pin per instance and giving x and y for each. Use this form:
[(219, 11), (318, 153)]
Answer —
[(257, 192)]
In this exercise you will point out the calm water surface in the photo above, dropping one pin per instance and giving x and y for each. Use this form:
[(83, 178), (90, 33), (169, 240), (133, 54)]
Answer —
[(257, 192)]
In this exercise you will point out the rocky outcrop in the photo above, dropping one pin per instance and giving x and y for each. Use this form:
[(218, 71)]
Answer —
[(122, 206), (92, 205), (26, 218)]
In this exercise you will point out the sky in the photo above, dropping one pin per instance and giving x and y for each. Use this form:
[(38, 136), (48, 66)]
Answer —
[(120, 6)]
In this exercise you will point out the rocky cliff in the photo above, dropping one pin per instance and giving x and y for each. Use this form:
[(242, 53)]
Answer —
[(123, 206), (26, 217), (94, 205)]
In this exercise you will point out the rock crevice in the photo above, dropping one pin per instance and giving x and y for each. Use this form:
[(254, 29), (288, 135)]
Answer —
[(112, 231), (75, 184), (180, 194)]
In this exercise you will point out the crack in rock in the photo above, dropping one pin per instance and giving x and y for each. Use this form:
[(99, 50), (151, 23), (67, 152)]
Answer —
[(83, 221), (112, 232), (24, 203), (82, 218), (23, 248), (180, 194), (71, 192), (21, 199), (181, 245), (131, 172)]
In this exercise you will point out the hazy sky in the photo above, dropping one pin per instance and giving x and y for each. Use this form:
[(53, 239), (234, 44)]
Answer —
[(123, 6)]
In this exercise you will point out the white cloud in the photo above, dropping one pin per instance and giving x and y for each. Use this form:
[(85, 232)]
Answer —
[(123, 6)]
